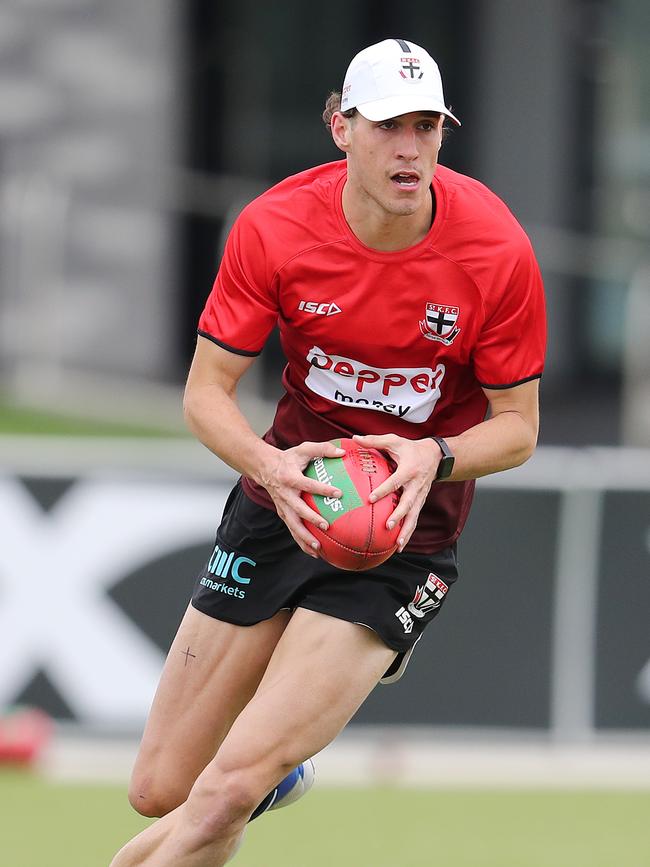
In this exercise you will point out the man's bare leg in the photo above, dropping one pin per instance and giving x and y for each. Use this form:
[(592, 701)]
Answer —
[(212, 670), (321, 671)]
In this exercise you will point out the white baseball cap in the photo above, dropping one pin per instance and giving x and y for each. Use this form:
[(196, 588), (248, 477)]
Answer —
[(391, 78)]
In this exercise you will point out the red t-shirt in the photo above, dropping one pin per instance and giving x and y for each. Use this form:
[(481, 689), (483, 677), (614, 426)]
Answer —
[(380, 342)]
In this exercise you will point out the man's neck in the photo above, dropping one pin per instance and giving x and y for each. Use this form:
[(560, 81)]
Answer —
[(379, 230)]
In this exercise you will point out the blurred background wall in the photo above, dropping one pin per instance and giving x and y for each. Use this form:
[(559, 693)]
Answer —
[(131, 134), (90, 130)]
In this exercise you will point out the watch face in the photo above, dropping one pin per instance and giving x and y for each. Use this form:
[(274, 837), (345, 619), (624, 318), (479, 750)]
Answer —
[(445, 467), (446, 464)]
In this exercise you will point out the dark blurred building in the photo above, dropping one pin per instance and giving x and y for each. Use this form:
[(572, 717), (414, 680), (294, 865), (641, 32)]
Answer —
[(132, 133), (549, 105)]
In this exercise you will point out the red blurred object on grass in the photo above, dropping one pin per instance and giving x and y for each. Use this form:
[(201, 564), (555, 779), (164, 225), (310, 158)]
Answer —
[(25, 732)]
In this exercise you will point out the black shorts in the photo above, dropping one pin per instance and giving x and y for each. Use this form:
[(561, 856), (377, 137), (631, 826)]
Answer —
[(256, 569)]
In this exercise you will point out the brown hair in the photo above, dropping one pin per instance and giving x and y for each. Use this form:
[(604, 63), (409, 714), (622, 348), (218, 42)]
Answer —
[(333, 103)]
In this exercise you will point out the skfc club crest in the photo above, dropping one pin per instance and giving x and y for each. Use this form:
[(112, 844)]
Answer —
[(428, 597), (411, 68), (439, 323)]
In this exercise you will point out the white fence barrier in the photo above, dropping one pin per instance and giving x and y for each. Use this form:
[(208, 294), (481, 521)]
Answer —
[(547, 629)]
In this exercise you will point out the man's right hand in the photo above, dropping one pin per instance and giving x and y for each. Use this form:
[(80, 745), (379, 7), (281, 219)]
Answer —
[(284, 480)]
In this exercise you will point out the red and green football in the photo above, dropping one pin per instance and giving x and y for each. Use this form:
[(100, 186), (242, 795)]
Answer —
[(357, 537)]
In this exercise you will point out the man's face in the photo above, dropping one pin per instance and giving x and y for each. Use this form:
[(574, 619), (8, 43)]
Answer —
[(393, 161)]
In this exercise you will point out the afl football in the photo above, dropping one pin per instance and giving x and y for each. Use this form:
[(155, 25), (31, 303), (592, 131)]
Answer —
[(357, 537)]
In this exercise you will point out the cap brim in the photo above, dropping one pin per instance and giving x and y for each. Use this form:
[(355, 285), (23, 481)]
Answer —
[(393, 106)]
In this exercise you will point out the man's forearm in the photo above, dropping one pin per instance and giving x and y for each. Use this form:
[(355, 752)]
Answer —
[(215, 419), (499, 443)]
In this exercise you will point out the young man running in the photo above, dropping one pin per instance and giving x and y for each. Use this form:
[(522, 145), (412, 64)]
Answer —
[(411, 313)]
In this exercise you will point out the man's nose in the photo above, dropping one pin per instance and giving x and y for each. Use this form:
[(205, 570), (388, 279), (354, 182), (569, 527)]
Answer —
[(407, 146)]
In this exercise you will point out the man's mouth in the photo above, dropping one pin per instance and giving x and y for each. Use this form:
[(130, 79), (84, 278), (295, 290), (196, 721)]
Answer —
[(406, 179)]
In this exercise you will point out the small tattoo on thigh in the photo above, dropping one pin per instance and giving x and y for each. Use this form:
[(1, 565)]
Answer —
[(187, 655)]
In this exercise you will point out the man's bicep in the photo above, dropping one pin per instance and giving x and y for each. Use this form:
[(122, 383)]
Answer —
[(522, 399), (214, 365)]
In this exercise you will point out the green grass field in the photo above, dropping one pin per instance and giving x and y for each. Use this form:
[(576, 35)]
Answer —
[(19, 420), (55, 825)]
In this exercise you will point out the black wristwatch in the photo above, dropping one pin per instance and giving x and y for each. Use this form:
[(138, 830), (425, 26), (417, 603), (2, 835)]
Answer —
[(446, 464)]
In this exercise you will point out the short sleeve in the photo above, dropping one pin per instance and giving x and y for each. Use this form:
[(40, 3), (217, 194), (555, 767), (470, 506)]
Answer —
[(511, 345), (242, 309)]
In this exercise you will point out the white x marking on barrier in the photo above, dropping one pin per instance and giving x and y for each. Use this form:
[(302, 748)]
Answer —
[(55, 569)]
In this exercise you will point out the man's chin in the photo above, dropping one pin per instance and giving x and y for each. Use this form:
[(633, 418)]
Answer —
[(404, 208), (406, 205)]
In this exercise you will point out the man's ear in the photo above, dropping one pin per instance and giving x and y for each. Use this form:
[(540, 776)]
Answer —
[(341, 129)]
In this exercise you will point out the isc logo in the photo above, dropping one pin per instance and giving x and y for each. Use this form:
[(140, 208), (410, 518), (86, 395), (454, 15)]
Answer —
[(324, 308), (223, 564), (405, 619)]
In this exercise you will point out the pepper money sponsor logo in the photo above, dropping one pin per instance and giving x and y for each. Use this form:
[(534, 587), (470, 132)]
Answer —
[(225, 565), (410, 393)]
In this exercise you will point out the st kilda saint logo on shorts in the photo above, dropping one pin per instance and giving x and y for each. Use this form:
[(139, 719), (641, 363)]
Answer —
[(439, 323), (428, 597)]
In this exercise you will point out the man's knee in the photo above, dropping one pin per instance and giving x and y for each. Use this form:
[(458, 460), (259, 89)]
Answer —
[(155, 798)]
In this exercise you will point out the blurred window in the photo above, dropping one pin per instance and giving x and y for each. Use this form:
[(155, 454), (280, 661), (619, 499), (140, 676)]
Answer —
[(621, 200)]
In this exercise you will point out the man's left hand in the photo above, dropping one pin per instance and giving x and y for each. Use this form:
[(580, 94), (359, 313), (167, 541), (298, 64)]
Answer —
[(417, 462)]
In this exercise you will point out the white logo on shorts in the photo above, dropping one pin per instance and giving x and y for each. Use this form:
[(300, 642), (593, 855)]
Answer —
[(405, 619), (428, 597)]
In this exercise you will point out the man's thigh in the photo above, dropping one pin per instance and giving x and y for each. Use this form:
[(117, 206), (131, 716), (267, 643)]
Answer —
[(212, 670), (319, 674)]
